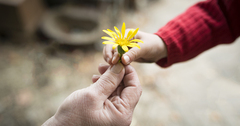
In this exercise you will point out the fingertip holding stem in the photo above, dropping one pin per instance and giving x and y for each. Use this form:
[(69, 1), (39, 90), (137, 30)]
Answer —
[(126, 59)]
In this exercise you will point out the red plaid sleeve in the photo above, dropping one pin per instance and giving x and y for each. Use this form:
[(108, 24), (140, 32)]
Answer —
[(201, 27)]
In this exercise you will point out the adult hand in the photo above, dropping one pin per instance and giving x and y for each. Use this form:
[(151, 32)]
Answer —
[(109, 101), (152, 50)]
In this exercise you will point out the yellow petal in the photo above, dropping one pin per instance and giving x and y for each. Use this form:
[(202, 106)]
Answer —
[(134, 45), (113, 33), (125, 48), (129, 33), (118, 32), (109, 33), (108, 42), (107, 38), (136, 40), (123, 30), (114, 46), (110, 30), (133, 34)]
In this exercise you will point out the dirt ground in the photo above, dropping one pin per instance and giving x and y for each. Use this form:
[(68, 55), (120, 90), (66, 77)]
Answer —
[(36, 77)]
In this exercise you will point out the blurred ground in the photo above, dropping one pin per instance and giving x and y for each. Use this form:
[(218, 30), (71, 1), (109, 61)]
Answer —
[(205, 91)]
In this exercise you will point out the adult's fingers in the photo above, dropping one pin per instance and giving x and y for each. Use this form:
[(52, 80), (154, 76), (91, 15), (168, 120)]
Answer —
[(132, 91), (102, 68), (109, 81), (95, 78)]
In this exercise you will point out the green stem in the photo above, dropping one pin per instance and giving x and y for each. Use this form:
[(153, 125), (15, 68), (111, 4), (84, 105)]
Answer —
[(120, 52)]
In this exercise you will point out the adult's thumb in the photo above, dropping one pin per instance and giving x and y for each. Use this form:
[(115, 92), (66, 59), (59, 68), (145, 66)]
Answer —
[(109, 81)]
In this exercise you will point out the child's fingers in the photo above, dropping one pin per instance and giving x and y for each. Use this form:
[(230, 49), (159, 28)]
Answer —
[(115, 58), (108, 53)]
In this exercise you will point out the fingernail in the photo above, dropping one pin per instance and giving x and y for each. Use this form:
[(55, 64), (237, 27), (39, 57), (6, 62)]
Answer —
[(126, 58), (117, 68), (108, 60), (95, 76), (114, 58), (101, 64)]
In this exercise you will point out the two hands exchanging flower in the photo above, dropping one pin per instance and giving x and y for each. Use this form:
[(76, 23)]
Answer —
[(150, 48), (112, 97)]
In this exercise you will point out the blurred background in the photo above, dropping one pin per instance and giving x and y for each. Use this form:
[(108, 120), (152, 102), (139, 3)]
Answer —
[(50, 48)]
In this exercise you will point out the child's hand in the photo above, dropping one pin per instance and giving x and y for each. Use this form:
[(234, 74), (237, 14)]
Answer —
[(152, 50)]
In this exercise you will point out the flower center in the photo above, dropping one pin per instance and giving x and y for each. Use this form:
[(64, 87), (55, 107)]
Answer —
[(122, 42)]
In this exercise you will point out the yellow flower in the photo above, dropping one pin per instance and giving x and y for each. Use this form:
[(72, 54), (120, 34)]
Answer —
[(119, 39)]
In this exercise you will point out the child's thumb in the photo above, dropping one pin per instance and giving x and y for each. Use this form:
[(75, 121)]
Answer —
[(131, 55)]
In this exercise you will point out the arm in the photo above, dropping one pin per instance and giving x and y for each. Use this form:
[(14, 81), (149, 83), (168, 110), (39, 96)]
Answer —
[(201, 27)]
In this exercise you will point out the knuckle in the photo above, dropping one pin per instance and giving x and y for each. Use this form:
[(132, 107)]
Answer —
[(134, 54), (115, 53), (90, 95), (106, 80), (109, 80), (108, 55)]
